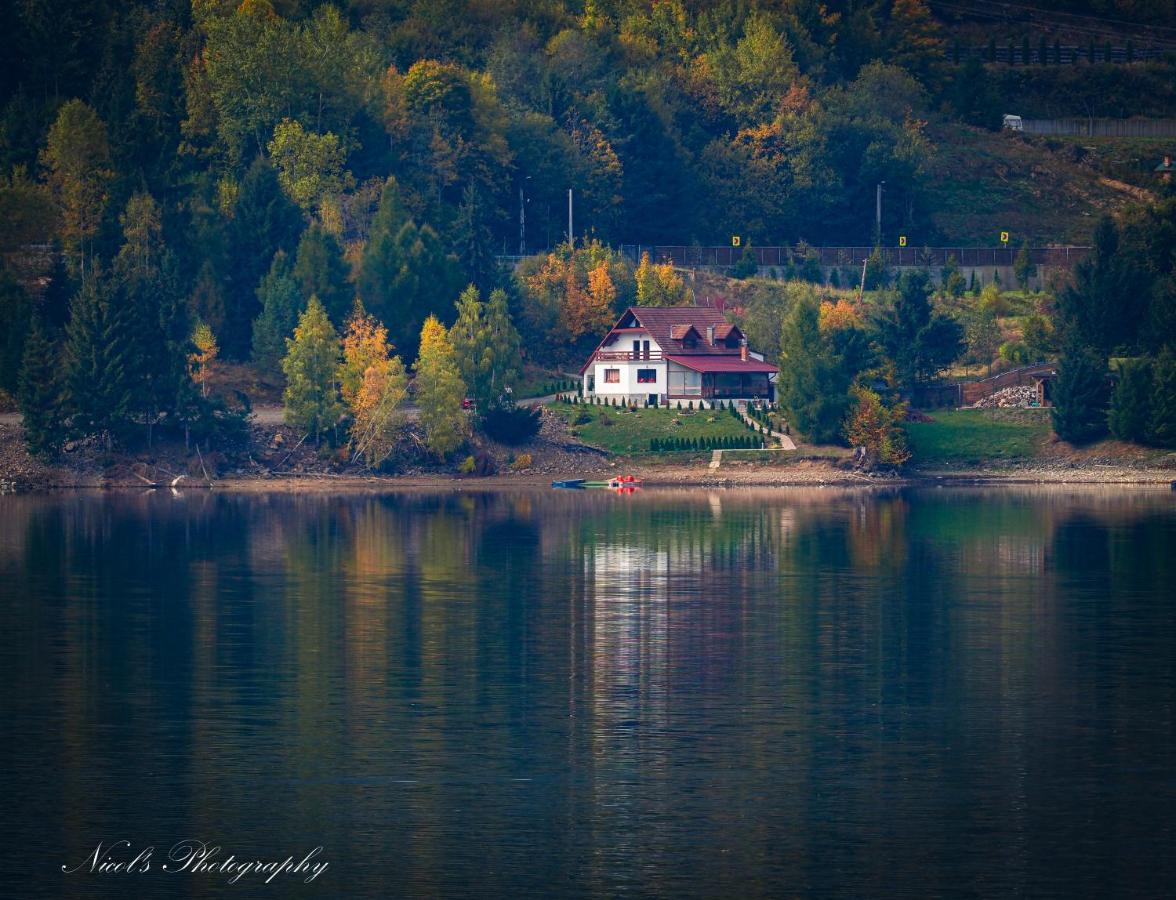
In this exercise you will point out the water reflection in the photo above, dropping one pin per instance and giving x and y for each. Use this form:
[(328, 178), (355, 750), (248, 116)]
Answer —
[(673, 693)]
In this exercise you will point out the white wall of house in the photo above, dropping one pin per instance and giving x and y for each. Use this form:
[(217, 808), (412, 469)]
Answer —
[(627, 384)]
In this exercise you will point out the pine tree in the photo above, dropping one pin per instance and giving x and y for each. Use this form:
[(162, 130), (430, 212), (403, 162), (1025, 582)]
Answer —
[(264, 221), (281, 305), (466, 336), (1024, 268), (319, 270), (16, 315), (439, 390), (502, 350), (39, 393), (147, 289), (99, 382), (920, 341), (405, 274), (311, 366), (1162, 430), (1130, 413), (1080, 395)]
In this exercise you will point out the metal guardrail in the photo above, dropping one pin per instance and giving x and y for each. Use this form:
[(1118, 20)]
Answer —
[(780, 256)]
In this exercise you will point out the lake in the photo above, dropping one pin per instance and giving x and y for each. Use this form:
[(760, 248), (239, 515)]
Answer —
[(791, 692)]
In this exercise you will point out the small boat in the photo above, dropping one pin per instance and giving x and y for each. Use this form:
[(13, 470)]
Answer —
[(628, 483), (568, 483), (624, 481)]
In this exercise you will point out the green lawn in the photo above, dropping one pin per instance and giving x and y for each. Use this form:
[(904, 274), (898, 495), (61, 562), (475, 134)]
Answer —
[(978, 435), (620, 431)]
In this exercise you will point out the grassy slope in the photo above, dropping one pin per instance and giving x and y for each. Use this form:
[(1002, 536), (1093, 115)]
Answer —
[(985, 182), (978, 435), (631, 432)]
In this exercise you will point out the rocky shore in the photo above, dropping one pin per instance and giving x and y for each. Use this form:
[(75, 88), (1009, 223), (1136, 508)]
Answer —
[(274, 460)]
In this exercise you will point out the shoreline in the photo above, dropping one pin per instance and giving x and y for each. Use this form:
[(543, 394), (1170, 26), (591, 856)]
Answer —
[(677, 478)]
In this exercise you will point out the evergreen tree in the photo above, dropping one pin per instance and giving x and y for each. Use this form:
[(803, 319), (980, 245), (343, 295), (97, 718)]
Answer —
[(148, 293), (919, 341), (311, 365), (953, 281), (39, 393), (405, 274), (281, 305), (99, 373), (1024, 268), (1162, 430), (877, 273), (814, 380), (1106, 305), (1130, 413), (473, 240), (16, 315), (319, 270), (264, 221), (440, 390), (466, 336), (502, 355), (486, 345), (1080, 395)]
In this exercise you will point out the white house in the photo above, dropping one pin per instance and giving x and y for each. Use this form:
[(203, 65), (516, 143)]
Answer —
[(675, 355)]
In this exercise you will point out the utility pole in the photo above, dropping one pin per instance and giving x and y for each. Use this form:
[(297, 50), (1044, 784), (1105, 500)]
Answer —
[(523, 217), (571, 234), (878, 216)]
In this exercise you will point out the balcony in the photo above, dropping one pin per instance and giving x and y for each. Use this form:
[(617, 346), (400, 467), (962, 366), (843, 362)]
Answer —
[(626, 355)]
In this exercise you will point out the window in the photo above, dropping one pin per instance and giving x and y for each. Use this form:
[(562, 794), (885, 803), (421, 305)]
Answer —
[(612, 376), (647, 376)]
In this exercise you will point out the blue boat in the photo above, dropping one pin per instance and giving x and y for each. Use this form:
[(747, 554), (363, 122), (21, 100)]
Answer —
[(568, 483)]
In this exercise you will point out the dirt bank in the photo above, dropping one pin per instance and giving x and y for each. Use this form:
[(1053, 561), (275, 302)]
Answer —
[(273, 460)]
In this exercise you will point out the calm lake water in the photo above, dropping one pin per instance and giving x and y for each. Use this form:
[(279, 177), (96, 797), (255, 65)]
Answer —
[(718, 694)]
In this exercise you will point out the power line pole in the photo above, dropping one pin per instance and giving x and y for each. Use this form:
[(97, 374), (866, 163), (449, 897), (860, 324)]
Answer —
[(878, 216), (571, 234), (522, 223)]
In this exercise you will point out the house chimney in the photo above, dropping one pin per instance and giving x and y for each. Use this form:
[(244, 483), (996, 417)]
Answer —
[(710, 334), (743, 349)]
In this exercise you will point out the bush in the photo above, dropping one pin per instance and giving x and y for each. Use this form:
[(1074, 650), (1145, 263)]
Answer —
[(1014, 352), (467, 466), (522, 461), (511, 425)]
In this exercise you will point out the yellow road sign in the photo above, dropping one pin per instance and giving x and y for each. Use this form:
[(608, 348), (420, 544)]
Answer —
[(734, 240), (1004, 237), (902, 240)]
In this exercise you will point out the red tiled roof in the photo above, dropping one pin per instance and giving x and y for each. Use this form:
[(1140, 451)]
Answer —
[(668, 325), (708, 363), (659, 321)]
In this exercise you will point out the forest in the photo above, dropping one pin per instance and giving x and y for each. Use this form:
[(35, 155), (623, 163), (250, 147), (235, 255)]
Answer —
[(182, 181)]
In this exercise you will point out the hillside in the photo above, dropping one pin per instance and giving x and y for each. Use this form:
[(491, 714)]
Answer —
[(1041, 191)]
